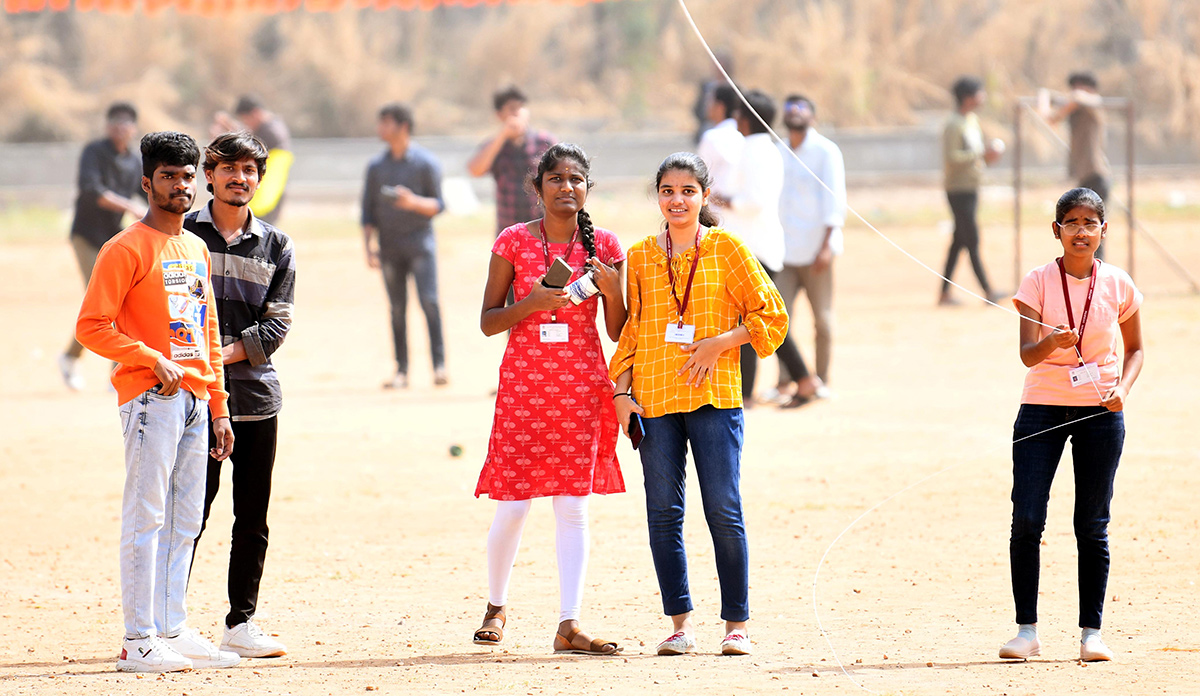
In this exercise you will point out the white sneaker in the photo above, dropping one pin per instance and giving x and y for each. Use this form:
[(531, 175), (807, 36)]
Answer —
[(1094, 650), (150, 655), (200, 650), (736, 643), (248, 640), (68, 368), (1021, 648), (678, 644)]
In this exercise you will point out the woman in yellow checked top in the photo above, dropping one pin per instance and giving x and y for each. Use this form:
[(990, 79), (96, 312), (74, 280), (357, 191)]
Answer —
[(696, 294)]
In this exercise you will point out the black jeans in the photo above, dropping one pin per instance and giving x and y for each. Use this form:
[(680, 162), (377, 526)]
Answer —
[(964, 205), (788, 354), (253, 460), (422, 265), (1099, 184), (1096, 445)]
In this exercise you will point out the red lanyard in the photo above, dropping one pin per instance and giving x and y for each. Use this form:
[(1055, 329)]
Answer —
[(687, 293), (1087, 305), (546, 253), (546, 244)]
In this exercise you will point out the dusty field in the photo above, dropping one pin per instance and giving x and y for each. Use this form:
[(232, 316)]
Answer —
[(375, 578)]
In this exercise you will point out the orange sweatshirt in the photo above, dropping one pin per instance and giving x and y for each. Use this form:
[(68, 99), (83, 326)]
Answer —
[(151, 296)]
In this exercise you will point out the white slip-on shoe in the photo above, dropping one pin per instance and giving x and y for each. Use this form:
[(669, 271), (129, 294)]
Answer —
[(150, 655), (200, 650), (736, 643), (1094, 650), (1021, 648), (678, 644), (248, 640)]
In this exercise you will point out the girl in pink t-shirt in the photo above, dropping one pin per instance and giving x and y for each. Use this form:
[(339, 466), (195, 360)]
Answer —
[(1074, 389)]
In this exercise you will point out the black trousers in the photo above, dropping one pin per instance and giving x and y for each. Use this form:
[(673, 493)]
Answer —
[(422, 265), (964, 205), (1099, 184), (253, 459), (788, 354)]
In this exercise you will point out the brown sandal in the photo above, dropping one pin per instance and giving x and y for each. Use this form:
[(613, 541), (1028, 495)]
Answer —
[(494, 613), (567, 645)]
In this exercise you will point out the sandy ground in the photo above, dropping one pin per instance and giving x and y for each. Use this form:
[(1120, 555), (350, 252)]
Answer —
[(375, 578)]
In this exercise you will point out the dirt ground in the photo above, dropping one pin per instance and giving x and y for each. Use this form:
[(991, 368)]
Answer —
[(375, 578)]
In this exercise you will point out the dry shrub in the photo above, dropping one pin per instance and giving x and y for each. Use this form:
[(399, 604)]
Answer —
[(615, 65)]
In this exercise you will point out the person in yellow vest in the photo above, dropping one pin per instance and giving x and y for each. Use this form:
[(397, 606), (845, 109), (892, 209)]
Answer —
[(250, 114)]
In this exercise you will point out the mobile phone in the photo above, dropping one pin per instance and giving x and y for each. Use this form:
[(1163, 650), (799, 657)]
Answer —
[(559, 275), (636, 432)]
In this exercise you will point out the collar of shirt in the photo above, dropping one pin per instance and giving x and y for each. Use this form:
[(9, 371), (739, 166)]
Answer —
[(659, 255), (254, 228)]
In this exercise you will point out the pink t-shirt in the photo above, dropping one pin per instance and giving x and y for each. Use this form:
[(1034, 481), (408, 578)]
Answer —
[(1114, 301)]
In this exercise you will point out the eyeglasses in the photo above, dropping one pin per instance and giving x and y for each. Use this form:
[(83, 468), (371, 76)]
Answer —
[(1091, 229)]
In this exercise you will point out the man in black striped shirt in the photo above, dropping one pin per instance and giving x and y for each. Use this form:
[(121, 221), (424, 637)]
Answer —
[(254, 277)]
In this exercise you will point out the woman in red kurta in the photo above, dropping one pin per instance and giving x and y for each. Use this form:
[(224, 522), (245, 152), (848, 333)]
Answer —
[(555, 430)]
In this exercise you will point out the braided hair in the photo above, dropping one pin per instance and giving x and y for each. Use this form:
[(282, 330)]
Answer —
[(551, 158)]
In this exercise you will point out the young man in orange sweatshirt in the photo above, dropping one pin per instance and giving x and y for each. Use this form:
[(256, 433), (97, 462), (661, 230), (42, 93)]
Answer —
[(149, 308)]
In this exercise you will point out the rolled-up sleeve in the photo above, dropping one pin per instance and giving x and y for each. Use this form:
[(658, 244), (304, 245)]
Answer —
[(433, 183), (264, 337), (370, 191), (833, 199)]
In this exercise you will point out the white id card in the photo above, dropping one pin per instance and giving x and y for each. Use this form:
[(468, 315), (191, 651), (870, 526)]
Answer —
[(681, 334), (554, 333), (1085, 374)]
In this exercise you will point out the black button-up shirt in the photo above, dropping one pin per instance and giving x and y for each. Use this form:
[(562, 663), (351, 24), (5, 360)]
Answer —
[(102, 169), (253, 282)]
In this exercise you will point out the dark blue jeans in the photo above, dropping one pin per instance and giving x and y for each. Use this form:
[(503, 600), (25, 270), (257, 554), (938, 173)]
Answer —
[(1095, 451), (716, 438)]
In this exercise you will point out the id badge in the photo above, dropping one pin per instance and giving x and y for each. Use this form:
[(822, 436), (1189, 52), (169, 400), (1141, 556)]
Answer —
[(554, 333), (1085, 374), (681, 334)]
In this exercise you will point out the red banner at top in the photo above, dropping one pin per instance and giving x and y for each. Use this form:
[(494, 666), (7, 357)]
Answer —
[(224, 7)]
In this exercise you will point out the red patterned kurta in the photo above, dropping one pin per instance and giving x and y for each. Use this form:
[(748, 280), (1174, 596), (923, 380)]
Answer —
[(555, 430)]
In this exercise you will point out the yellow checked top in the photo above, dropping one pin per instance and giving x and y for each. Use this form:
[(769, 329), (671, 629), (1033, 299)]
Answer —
[(731, 287)]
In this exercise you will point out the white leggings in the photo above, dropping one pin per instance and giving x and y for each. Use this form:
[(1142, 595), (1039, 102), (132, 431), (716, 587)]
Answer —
[(571, 540)]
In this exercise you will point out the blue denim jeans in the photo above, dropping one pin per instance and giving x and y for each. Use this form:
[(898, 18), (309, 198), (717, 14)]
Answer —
[(166, 443), (716, 438), (1095, 452)]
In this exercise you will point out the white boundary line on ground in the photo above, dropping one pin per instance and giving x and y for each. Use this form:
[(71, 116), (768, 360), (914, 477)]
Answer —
[(816, 613)]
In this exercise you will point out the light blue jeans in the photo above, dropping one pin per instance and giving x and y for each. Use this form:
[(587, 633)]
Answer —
[(166, 460)]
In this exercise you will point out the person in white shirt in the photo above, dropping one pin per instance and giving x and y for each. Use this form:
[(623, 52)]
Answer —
[(750, 208), (812, 211), (721, 146)]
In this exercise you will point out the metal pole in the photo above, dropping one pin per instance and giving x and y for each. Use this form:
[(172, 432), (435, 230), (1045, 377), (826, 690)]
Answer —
[(1129, 155), (1017, 147)]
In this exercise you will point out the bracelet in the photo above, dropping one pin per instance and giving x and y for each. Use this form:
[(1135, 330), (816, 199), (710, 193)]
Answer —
[(629, 394)]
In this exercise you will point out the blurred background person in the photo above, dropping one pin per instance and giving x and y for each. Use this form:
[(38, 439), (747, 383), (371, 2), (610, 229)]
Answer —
[(268, 127), (964, 155), (1084, 113), (708, 86), (721, 145), (110, 185), (812, 210), (752, 213), (510, 156), (403, 193)]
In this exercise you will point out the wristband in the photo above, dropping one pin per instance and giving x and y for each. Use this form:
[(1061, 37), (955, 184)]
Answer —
[(629, 394)]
